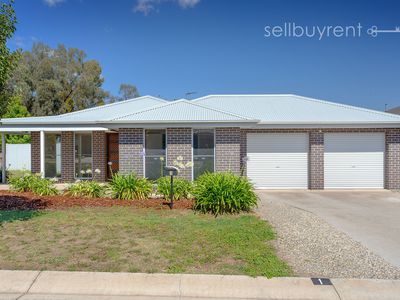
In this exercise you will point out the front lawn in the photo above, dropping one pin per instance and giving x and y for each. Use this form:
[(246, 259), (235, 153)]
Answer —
[(118, 239)]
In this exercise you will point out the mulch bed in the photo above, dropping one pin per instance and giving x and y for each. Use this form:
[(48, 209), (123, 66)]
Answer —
[(27, 201)]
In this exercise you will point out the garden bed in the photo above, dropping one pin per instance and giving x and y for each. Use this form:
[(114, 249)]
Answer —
[(10, 200)]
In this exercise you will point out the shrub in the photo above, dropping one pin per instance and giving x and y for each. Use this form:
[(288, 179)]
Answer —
[(22, 183), (183, 188), (128, 187), (33, 183), (44, 187), (220, 193), (90, 189)]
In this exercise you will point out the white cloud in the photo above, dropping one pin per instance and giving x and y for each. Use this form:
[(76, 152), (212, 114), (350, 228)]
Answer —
[(187, 3), (147, 6), (52, 3), (19, 41)]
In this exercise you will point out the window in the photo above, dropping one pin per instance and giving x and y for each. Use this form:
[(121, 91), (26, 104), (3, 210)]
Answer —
[(52, 155), (155, 153), (83, 155), (203, 151)]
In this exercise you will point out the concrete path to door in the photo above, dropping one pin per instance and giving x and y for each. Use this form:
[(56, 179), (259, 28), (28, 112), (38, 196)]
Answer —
[(370, 217)]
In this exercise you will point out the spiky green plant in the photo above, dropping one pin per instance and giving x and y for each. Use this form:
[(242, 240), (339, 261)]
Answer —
[(183, 188), (221, 193), (130, 187), (33, 183), (86, 188)]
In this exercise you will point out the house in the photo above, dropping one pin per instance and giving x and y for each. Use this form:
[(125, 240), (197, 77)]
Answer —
[(278, 141), (394, 110)]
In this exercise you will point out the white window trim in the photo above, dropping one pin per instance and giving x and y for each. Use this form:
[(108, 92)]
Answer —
[(82, 178), (193, 148)]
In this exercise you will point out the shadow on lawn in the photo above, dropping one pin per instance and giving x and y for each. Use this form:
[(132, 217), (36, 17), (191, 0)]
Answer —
[(17, 215), (19, 208)]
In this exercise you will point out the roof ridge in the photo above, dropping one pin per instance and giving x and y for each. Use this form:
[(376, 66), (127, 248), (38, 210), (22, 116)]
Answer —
[(348, 106), (235, 95), (180, 101), (146, 109), (112, 104)]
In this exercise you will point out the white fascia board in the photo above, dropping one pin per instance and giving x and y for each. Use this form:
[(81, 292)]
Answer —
[(328, 125), (22, 129), (47, 123), (181, 125)]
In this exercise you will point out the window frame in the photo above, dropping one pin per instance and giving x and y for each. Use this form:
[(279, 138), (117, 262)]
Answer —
[(91, 156), (44, 144), (214, 132), (145, 150)]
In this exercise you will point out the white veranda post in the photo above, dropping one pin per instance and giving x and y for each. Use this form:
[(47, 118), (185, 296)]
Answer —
[(3, 153), (42, 153)]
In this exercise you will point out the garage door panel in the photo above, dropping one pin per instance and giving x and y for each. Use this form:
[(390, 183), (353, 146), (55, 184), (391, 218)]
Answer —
[(278, 160), (354, 160)]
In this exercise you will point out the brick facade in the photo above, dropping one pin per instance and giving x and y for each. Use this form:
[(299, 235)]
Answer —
[(179, 143), (67, 156), (99, 155), (131, 151), (230, 151), (227, 149), (35, 152), (392, 159), (316, 160)]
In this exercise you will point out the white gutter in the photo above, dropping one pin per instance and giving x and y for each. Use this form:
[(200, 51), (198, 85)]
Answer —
[(328, 125), (25, 128)]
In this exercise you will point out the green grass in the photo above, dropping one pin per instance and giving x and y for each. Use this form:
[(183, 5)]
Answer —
[(138, 240)]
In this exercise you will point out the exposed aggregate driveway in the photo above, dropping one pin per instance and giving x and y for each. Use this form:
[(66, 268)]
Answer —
[(336, 234)]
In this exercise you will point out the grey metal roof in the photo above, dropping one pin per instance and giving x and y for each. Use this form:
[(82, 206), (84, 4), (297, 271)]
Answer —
[(96, 114), (255, 110), (291, 109), (181, 111)]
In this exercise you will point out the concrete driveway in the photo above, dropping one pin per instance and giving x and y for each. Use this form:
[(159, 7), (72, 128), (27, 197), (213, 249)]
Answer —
[(369, 217)]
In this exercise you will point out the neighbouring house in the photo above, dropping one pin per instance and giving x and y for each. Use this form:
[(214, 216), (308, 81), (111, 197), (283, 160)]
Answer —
[(394, 110), (277, 141)]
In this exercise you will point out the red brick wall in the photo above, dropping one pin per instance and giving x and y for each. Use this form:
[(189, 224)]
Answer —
[(179, 143), (67, 156), (99, 155), (35, 152)]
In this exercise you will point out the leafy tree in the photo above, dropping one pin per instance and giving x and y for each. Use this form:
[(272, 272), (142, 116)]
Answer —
[(127, 91), (8, 59), (15, 109), (55, 81)]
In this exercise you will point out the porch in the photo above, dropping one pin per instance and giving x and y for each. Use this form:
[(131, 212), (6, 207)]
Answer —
[(69, 155)]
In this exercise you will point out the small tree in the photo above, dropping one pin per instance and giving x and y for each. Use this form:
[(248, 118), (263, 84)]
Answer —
[(128, 91), (8, 59), (15, 109)]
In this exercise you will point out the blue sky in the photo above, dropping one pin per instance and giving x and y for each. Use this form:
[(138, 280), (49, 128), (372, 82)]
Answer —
[(170, 47)]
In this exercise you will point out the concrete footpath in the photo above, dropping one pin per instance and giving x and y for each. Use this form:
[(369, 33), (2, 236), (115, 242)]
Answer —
[(35, 285)]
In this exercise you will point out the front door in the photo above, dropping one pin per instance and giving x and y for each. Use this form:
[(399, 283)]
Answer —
[(112, 154)]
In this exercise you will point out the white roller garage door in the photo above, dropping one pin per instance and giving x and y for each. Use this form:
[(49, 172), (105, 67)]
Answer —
[(354, 160), (278, 161)]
